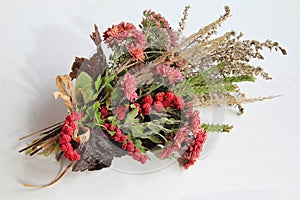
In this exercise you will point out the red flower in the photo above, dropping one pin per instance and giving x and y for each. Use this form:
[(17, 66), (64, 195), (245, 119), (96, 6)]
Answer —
[(166, 103), (106, 125), (143, 159), (193, 153), (117, 33), (117, 139), (118, 132), (160, 96), (66, 136), (123, 138), (148, 99), (146, 109), (169, 96), (158, 106), (111, 127), (104, 112), (136, 53), (130, 146), (136, 156), (124, 146), (179, 102)]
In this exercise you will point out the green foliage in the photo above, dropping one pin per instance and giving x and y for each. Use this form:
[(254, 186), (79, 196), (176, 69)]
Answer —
[(138, 144), (130, 118), (217, 128), (98, 83), (84, 88)]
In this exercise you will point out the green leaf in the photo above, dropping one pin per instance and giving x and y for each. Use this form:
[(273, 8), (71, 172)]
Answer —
[(84, 89), (138, 144), (98, 83), (130, 116), (83, 81), (137, 131), (97, 113), (217, 128), (154, 139)]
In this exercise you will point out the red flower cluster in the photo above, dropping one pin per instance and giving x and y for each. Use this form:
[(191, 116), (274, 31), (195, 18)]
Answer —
[(126, 144), (66, 133), (161, 101), (168, 99)]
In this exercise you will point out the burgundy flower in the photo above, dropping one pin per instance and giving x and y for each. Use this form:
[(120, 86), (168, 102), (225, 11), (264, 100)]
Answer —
[(104, 112)]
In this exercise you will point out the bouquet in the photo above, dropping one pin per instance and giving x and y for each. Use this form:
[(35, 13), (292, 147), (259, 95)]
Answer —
[(147, 96)]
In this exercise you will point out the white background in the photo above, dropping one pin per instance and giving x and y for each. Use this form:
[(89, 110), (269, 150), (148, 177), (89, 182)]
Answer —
[(258, 160)]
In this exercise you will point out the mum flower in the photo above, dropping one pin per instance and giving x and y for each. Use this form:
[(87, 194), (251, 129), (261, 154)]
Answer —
[(129, 87), (172, 74)]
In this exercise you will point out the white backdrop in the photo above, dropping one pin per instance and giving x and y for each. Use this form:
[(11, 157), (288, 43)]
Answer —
[(258, 160)]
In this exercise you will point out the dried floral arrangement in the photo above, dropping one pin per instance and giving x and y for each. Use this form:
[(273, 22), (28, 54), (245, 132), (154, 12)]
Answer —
[(147, 96)]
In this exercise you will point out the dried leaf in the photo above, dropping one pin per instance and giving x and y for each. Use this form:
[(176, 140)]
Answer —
[(65, 90), (97, 152), (94, 66)]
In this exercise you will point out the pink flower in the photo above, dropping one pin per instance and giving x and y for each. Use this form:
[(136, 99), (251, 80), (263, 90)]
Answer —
[(120, 111), (194, 119), (168, 151), (172, 74), (158, 106), (129, 86), (181, 134)]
